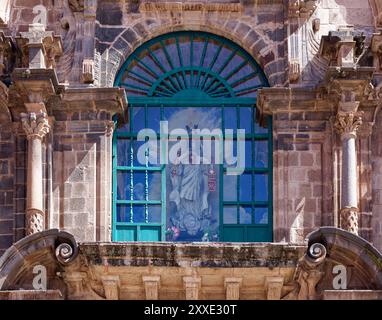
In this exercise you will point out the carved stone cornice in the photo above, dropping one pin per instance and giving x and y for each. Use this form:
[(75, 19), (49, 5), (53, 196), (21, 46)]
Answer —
[(342, 48), (189, 6), (301, 8), (348, 84), (347, 124), (35, 125)]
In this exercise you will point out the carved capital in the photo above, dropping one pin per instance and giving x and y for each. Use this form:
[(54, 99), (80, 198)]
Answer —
[(347, 124), (35, 125), (349, 219), (35, 221)]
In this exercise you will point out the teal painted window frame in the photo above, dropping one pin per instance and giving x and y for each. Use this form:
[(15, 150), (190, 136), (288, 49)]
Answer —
[(265, 231)]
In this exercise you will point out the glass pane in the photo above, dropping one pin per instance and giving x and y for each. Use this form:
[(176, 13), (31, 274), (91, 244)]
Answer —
[(230, 187), (155, 214), (123, 185), (140, 159), (246, 119), (155, 185), (139, 213), (123, 152), (261, 187), (123, 213), (246, 187), (261, 154), (139, 185), (230, 118), (154, 118), (248, 153), (138, 118), (261, 215), (230, 215), (245, 214)]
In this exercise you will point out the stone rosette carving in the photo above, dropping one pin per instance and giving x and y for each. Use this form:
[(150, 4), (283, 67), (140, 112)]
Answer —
[(35, 125), (348, 124), (308, 274)]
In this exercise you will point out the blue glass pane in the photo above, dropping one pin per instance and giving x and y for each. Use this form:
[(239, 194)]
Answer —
[(123, 185), (139, 213), (261, 154), (123, 213), (261, 215), (154, 185), (230, 215), (246, 187), (139, 185), (261, 187), (138, 118), (230, 187), (248, 153), (245, 214), (123, 152), (155, 214), (154, 118), (230, 118), (246, 119)]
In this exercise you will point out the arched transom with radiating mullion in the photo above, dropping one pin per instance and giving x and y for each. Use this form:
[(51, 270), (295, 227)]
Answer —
[(187, 64)]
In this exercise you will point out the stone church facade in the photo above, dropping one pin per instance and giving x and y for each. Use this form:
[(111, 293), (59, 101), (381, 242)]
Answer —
[(77, 75)]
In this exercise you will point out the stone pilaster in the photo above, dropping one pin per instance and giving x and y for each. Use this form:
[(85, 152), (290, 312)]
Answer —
[(36, 126), (347, 125), (111, 286), (192, 287), (151, 287), (232, 287), (273, 287)]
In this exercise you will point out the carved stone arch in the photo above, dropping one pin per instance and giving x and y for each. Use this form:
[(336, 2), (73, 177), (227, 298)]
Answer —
[(51, 249), (264, 56)]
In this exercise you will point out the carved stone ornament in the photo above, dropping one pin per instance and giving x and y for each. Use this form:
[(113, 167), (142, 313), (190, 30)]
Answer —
[(76, 5), (301, 8), (308, 274), (36, 125), (349, 219), (348, 124), (35, 221)]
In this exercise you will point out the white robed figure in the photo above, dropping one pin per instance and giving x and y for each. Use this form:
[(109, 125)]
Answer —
[(190, 195)]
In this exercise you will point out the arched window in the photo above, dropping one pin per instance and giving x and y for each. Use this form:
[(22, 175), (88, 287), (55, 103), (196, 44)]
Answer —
[(191, 87)]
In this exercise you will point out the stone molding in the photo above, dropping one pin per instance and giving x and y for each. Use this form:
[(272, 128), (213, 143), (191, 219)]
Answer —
[(301, 8)]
